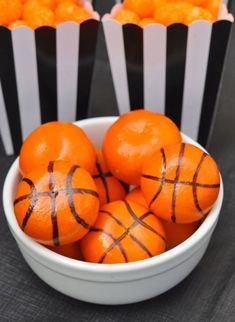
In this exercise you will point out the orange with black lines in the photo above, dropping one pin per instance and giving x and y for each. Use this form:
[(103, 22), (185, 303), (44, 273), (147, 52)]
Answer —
[(180, 183), (124, 232), (109, 188), (175, 233), (57, 205)]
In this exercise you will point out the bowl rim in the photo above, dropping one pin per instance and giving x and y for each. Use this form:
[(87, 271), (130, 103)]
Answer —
[(200, 234)]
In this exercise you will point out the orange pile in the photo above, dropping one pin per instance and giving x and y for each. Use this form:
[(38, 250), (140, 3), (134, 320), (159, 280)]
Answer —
[(37, 13), (72, 198), (167, 12)]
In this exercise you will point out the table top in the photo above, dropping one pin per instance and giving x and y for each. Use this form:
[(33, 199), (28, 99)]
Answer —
[(207, 294)]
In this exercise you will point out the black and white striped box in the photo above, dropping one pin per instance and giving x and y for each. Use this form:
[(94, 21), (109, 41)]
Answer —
[(173, 70), (45, 75)]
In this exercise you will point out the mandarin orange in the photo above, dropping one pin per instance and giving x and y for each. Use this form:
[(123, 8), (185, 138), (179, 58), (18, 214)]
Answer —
[(57, 141), (123, 232), (125, 16), (109, 188), (169, 13), (178, 233), (146, 21), (180, 183), (143, 8), (175, 233), (17, 23), (136, 195), (197, 13), (57, 205), (133, 138), (69, 250)]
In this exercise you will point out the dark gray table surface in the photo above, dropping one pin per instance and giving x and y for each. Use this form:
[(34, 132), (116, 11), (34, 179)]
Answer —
[(208, 294)]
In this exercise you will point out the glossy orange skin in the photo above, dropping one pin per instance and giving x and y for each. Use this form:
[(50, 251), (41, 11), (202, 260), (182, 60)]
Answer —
[(18, 23), (133, 138), (39, 16), (51, 4), (197, 13), (3, 12), (14, 10), (143, 8), (146, 21), (74, 1), (69, 11), (57, 141), (109, 188), (187, 200), (125, 16), (136, 195), (213, 6), (70, 250), (173, 12), (177, 233), (99, 247), (68, 205)]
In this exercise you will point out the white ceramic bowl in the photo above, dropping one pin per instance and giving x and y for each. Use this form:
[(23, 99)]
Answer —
[(115, 283)]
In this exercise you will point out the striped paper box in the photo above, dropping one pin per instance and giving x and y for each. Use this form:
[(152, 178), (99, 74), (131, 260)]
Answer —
[(173, 70), (45, 75)]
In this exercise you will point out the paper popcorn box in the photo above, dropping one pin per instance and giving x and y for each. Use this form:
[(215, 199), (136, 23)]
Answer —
[(45, 75), (173, 70)]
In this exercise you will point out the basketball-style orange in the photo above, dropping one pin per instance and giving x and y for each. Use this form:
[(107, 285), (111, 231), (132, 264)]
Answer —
[(197, 13), (177, 233), (109, 188), (133, 138), (180, 183), (136, 195), (143, 8), (124, 232), (57, 205), (125, 16), (70, 250), (57, 141)]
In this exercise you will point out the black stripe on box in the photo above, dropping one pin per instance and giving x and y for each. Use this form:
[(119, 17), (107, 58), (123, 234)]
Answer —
[(45, 38), (175, 68), (218, 46), (87, 49), (9, 87), (133, 44)]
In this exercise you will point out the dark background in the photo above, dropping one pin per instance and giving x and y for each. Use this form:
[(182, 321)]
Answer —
[(208, 294)]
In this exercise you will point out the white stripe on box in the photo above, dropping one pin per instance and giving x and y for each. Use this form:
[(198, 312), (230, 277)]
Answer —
[(67, 51), (155, 67), (25, 61), (198, 46), (116, 52), (4, 126)]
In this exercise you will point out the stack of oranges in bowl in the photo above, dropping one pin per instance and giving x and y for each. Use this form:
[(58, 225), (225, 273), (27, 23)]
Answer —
[(144, 193), (37, 13), (167, 12)]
